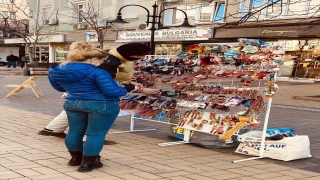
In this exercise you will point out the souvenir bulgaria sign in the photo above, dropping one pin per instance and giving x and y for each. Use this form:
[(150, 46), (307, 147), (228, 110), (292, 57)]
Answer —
[(165, 35)]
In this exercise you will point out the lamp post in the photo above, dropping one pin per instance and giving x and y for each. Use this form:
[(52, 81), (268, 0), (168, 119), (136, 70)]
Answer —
[(153, 19)]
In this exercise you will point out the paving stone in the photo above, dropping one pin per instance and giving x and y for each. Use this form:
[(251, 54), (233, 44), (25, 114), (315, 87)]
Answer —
[(267, 175), (283, 178), (227, 176), (78, 175), (108, 177), (49, 176), (27, 172), (10, 175), (173, 174), (130, 177), (180, 178), (146, 175), (312, 178), (214, 173), (293, 174)]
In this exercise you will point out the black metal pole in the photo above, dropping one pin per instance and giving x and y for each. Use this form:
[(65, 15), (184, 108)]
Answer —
[(153, 28)]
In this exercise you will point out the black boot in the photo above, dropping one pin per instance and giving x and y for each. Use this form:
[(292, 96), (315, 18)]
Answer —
[(89, 163), (76, 158)]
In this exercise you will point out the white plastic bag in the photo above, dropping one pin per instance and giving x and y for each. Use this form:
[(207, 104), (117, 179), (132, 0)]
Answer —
[(287, 149)]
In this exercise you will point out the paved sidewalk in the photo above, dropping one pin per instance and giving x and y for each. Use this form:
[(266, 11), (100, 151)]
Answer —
[(26, 155)]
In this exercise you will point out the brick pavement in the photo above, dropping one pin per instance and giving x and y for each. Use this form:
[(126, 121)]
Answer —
[(26, 155)]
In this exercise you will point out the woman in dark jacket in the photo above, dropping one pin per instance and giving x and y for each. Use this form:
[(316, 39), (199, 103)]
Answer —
[(120, 65), (92, 103)]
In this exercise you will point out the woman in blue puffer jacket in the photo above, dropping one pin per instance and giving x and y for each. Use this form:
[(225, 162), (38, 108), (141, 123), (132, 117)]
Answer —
[(92, 103)]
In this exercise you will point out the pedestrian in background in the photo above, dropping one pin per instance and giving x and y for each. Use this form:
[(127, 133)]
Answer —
[(12, 60), (25, 59), (91, 105)]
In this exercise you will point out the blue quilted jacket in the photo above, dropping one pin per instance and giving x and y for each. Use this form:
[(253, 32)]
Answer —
[(85, 81)]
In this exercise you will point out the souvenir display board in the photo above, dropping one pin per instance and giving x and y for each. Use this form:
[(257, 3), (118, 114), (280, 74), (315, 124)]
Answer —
[(187, 94)]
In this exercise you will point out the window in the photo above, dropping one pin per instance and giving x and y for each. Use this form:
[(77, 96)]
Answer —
[(204, 13), (275, 9), (47, 13), (169, 17), (190, 10), (279, 9), (8, 15), (6, 1), (313, 8), (297, 8), (129, 11), (81, 10), (247, 6), (219, 15), (197, 13)]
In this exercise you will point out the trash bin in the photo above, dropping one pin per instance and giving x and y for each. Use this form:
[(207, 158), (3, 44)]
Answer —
[(26, 71)]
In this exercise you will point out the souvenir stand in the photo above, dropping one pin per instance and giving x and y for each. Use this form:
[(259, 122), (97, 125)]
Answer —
[(188, 96)]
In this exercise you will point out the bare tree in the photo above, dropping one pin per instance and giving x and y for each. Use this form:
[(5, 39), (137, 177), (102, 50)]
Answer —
[(93, 17), (17, 23)]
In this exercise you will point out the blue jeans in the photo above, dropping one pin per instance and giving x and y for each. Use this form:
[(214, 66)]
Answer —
[(13, 63), (90, 118)]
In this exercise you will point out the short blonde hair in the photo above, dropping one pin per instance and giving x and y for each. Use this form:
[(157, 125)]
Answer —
[(81, 51)]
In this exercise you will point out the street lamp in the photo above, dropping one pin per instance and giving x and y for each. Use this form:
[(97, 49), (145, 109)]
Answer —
[(154, 23)]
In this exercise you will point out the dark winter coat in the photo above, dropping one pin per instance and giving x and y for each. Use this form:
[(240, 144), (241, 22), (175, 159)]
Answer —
[(12, 57)]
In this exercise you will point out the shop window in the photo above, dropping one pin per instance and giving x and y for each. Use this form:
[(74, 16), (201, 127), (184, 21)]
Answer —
[(168, 49), (129, 12), (47, 13), (41, 53)]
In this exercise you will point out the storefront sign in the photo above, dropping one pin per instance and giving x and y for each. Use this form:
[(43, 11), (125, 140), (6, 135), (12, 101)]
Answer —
[(41, 39), (166, 35), (75, 37), (51, 38), (14, 41), (92, 37), (277, 32), (268, 32)]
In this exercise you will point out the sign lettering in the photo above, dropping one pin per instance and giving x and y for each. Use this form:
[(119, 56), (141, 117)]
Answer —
[(166, 34), (278, 32)]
